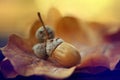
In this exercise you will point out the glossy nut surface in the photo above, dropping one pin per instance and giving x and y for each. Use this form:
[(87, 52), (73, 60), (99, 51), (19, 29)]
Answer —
[(65, 55)]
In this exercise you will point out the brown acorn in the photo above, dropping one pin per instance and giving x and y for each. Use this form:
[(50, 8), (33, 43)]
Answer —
[(65, 55)]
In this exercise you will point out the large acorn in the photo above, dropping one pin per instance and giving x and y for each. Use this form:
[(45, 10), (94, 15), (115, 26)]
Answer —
[(55, 49)]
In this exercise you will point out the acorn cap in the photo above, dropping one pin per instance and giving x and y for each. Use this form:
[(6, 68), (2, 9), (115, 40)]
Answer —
[(52, 44), (39, 50), (65, 55), (41, 35)]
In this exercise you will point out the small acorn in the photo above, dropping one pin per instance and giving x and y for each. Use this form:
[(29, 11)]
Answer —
[(55, 49)]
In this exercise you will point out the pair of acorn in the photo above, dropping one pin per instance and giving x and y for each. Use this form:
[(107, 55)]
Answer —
[(54, 49)]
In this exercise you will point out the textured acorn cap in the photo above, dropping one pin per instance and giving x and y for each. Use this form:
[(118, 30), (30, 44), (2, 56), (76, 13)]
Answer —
[(65, 55), (39, 50), (41, 34), (52, 44)]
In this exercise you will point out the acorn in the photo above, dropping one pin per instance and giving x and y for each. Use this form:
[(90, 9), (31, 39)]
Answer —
[(65, 55), (58, 52)]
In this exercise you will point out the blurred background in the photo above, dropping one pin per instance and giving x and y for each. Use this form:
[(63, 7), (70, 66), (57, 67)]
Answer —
[(16, 16)]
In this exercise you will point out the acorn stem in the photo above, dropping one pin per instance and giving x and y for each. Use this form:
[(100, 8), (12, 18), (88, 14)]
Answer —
[(40, 18)]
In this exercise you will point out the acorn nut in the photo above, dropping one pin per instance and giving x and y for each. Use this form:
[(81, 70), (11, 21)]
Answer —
[(65, 55)]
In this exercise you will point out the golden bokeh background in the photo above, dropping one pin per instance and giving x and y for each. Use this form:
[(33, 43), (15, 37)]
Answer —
[(17, 16)]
